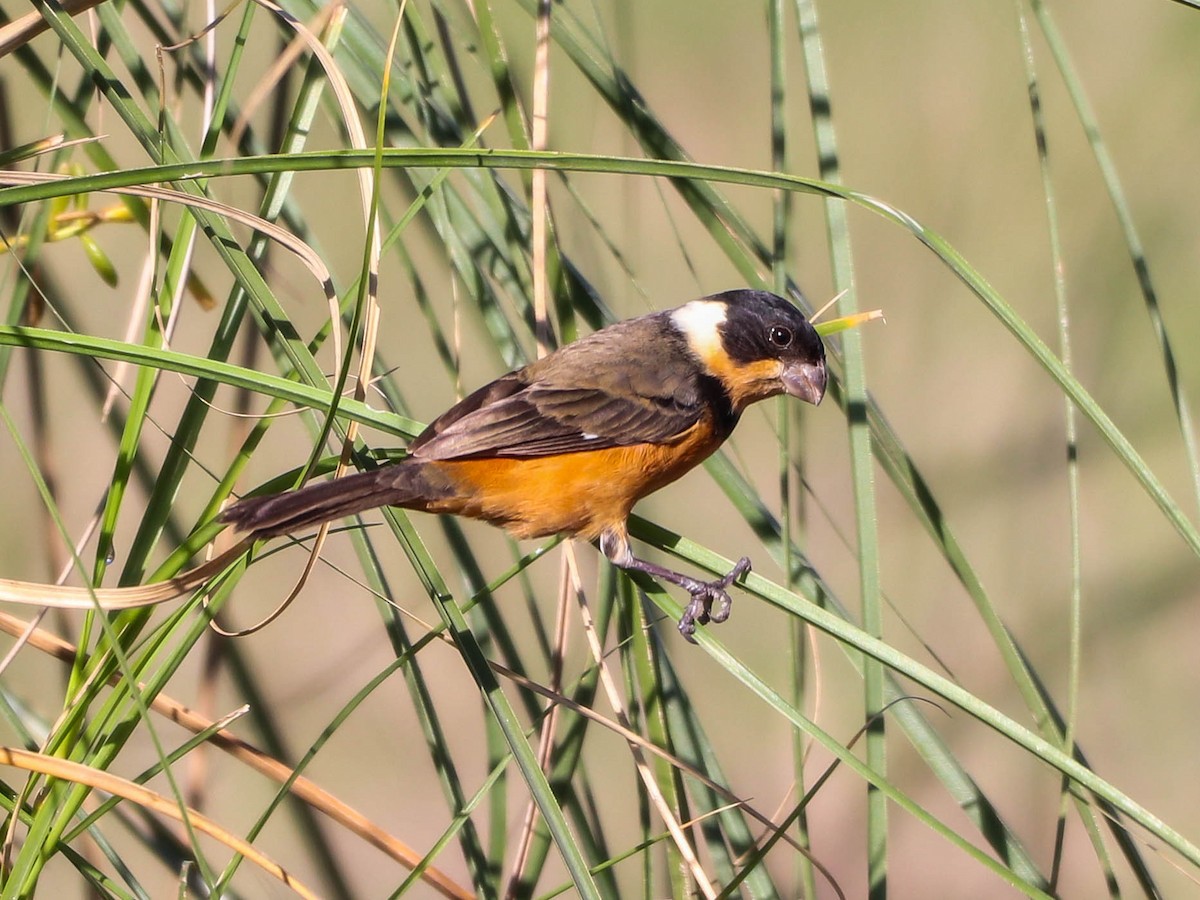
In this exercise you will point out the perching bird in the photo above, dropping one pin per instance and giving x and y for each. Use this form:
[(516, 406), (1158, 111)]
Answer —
[(568, 444)]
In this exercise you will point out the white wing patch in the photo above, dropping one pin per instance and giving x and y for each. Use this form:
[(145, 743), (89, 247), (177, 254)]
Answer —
[(700, 322)]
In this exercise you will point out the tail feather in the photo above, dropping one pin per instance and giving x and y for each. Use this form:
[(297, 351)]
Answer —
[(399, 484)]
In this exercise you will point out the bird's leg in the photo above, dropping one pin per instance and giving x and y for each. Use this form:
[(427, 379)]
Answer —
[(704, 593), (699, 610)]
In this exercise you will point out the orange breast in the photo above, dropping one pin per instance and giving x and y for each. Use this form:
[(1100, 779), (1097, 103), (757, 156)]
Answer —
[(579, 494)]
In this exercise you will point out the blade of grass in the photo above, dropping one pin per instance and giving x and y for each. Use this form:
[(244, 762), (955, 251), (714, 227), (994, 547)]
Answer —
[(862, 471), (1086, 814), (1133, 241), (791, 503)]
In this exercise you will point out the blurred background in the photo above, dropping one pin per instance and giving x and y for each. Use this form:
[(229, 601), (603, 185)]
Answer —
[(931, 107)]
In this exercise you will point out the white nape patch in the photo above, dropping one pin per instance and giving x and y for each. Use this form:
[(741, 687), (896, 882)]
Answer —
[(700, 323)]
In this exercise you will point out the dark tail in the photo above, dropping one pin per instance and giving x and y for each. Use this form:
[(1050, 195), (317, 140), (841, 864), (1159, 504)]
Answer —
[(398, 484)]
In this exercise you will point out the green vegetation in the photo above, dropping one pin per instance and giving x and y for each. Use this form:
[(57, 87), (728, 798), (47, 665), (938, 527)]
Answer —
[(236, 257)]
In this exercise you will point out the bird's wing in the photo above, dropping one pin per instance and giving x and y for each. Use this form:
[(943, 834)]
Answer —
[(590, 395)]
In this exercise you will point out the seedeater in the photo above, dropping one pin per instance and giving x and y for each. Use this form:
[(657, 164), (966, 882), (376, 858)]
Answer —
[(568, 444)]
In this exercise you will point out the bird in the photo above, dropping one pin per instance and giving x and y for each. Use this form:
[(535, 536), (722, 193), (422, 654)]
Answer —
[(570, 443)]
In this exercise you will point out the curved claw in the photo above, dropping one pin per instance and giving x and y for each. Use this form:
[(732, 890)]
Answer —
[(700, 610), (724, 607), (614, 543)]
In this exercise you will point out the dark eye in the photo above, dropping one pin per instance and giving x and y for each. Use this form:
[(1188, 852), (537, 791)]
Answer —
[(780, 336)]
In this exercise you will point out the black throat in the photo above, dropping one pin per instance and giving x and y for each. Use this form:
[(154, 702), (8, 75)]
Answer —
[(725, 417)]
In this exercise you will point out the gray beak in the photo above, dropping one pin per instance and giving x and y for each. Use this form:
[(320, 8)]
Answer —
[(806, 381)]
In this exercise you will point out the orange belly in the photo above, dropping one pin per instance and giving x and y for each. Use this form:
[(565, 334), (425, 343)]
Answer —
[(579, 494)]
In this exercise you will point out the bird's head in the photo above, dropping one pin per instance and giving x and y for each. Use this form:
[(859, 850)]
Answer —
[(757, 344)]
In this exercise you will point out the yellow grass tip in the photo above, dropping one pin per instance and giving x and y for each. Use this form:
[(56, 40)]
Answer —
[(833, 326)]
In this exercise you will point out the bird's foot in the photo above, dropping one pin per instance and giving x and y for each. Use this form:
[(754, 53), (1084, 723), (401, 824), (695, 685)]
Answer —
[(704, 594)]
